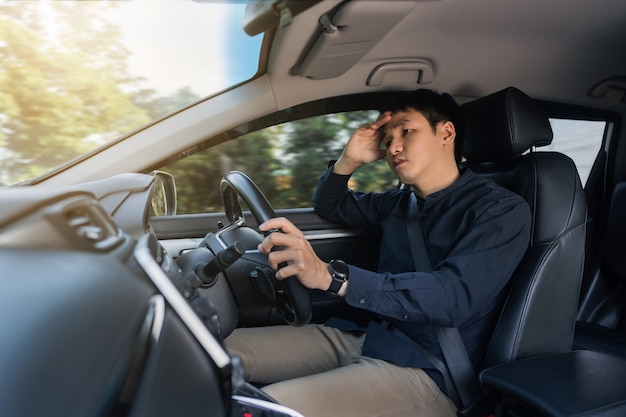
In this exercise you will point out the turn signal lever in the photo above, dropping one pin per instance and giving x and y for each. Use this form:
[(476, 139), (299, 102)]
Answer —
[(200, 267), (222, 260)]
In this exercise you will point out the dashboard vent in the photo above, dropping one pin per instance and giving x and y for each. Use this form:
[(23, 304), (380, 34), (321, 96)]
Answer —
[(92, 225)]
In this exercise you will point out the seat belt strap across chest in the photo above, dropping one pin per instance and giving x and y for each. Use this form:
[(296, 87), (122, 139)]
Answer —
[(454, 352)]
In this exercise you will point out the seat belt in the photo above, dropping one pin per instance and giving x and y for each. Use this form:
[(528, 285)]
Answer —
[(460, 369), (434, 360)]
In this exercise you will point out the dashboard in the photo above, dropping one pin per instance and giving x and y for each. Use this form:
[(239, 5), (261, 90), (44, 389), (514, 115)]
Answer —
[(93, 315)]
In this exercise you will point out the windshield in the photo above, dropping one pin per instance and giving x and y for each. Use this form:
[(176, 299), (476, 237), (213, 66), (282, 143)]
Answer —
[(77, 74)]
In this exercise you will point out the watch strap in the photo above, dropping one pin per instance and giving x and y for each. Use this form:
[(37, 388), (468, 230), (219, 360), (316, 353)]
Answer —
[(338, 276), (335, 285)]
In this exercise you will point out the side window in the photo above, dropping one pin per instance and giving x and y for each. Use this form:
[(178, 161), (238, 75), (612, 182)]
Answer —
[(285, 161), (580, 140)]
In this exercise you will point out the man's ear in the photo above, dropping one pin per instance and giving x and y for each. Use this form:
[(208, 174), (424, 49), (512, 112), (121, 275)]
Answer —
[(449, 132)]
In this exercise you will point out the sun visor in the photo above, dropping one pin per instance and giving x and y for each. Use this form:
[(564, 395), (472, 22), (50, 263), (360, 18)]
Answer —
[(348, 33), (263, 15)]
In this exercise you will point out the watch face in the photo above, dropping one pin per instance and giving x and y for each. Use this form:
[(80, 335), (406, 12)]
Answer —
[(340, 267)]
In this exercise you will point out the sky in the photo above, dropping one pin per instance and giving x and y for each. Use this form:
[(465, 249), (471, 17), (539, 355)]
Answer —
[(176, 43)]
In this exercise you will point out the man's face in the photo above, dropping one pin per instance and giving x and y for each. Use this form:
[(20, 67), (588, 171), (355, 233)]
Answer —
[(414, 151)]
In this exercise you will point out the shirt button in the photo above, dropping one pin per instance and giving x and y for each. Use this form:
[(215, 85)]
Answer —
[(362, 301), (406, 317)]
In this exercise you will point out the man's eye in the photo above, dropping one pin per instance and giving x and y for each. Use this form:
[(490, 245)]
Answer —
[(387, 144), (406, 131)]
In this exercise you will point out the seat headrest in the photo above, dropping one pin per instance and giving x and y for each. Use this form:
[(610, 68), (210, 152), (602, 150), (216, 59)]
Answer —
[(503, 125)]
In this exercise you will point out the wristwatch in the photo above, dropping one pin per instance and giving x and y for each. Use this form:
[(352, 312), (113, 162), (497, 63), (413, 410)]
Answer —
[(339, 273)]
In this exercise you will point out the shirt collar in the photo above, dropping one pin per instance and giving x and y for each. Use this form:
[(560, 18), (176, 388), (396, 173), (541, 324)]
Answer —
[(432, 199)]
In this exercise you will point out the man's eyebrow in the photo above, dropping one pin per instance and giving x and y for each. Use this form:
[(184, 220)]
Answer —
[(400, 123), (385, 137)]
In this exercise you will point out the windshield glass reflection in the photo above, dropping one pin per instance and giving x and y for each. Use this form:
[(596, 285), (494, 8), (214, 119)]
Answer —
[(77, 74)]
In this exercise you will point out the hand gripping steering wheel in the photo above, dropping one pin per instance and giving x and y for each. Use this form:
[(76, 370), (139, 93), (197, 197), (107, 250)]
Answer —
[(293, 300)]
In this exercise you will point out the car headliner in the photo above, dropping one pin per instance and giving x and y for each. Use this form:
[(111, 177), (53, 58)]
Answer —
[(552, 50)]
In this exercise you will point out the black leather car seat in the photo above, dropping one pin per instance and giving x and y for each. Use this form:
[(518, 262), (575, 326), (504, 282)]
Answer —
[(539, 314), (530, 369), (602, 322)]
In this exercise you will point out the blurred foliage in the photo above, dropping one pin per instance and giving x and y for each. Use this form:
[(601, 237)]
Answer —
[(284, 161), (59, 94), (65, 88), (198, 176)]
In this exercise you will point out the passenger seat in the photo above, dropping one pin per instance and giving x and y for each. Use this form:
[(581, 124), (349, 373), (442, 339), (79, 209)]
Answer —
[(602, 320)]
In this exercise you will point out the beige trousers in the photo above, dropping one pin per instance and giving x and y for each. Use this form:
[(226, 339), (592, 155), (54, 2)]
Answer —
[(319, 372)]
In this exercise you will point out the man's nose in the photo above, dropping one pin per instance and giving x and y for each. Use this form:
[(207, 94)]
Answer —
[(395, 146)]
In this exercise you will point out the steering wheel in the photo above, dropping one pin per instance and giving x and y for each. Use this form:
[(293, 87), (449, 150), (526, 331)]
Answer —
[(293, 300)]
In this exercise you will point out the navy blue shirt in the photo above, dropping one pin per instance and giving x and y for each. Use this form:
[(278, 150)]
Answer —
[(475, 232)]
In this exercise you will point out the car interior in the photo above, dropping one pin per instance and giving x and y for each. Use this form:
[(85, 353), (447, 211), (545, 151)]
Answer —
[(116, 303)]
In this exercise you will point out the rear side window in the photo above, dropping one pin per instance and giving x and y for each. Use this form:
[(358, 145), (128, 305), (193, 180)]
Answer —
[(580, 140)]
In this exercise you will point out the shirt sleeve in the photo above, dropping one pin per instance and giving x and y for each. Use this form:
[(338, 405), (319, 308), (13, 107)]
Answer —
[(468, 283), (333, 200)]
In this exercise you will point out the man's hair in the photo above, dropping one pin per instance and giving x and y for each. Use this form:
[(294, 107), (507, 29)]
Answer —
[(436, 108)]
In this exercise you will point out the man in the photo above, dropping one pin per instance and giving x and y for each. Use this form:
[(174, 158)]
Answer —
[(475, 234)]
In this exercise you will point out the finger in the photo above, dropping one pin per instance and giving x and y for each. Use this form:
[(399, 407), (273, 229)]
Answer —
[(282, 240), (285, 262), (274, 259), (270, 242), (285, 272), (383, 119), (265, 246), (281, 223)]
